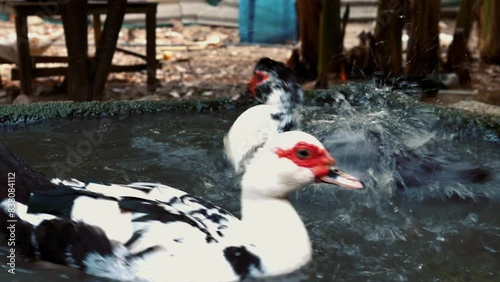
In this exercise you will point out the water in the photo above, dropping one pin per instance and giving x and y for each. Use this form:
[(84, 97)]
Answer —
[(381, 234)]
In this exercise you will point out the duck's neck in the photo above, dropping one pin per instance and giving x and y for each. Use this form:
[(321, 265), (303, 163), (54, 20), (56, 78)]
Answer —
[(277, 232), (286, 108)]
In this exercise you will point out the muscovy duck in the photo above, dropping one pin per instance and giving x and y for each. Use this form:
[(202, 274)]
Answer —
[(274, 84), (152, 232)]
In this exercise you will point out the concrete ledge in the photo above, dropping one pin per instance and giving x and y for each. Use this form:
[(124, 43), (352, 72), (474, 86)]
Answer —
[(357, 94)]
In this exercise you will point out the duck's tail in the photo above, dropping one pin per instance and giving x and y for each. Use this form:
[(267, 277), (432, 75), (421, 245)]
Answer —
[(418, 170), (17, 179)]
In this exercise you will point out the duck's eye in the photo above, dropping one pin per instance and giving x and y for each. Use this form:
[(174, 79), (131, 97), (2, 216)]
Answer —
[(259, 77), (303, 154)]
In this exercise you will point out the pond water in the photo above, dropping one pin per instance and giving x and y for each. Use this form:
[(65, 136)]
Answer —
[(380, 234)]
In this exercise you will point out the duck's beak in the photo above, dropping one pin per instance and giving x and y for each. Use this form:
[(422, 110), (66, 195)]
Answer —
[(338, 177)]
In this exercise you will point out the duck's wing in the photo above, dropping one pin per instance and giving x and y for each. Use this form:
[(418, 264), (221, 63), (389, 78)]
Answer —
[(102, 233), (65, 241), (110, 206), (419, 169)]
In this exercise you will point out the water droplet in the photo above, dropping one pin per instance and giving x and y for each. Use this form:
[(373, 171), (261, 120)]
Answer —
[(470, 220)]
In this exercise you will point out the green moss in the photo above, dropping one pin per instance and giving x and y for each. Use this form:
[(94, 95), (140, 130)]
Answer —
[(355, 93), (13, 114)]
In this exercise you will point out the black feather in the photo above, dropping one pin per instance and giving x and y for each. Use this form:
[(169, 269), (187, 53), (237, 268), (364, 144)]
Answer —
[(242, 261), (27, 181), (58, 239)]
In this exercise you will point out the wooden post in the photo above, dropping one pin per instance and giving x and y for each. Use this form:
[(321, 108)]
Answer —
[(465, 18), (107, 45), (489, 31), (388, 32), (152, 63), (97, 28), (23, 51), (330, 45), (458, 54), (423, 45), (308, 15), (74, 18)]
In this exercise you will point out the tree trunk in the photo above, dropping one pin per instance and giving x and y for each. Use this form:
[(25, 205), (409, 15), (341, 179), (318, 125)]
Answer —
[(330, 45), (388, 32), (458, 55), (107, 45), (423, 45), (465, 18), (489, 30), (304, 63), (74, 18)]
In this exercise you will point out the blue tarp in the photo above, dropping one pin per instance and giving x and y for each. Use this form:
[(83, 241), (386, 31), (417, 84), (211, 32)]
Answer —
[(264, 21), (4, 16)]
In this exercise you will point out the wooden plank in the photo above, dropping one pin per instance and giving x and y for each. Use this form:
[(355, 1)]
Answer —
[(50, 8), (50, 59), (131, 53), (61, 71)]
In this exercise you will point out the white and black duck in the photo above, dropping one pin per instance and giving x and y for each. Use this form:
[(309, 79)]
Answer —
[(152, 232), (274, 85)]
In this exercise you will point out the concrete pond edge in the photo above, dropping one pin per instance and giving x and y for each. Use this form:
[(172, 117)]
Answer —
[(355, 94)]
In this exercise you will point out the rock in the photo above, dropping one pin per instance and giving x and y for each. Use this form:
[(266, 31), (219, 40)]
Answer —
[(21, 100), (34, 20), (478, 107), (174, 94), (450, 80), (153, 97), (4, 97), (177, 25)]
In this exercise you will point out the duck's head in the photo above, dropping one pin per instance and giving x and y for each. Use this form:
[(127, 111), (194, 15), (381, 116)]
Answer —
[(289, 162), (274, 83)]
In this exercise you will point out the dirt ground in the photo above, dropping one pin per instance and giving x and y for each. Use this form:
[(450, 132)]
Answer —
[(203, 61)]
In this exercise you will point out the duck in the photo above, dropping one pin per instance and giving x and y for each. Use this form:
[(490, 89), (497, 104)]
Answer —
[(153, 232), (274, 85), (281, 98)]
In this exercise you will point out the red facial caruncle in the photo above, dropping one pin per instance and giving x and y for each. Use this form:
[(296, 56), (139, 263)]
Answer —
[(257, 78), (307, 155)]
